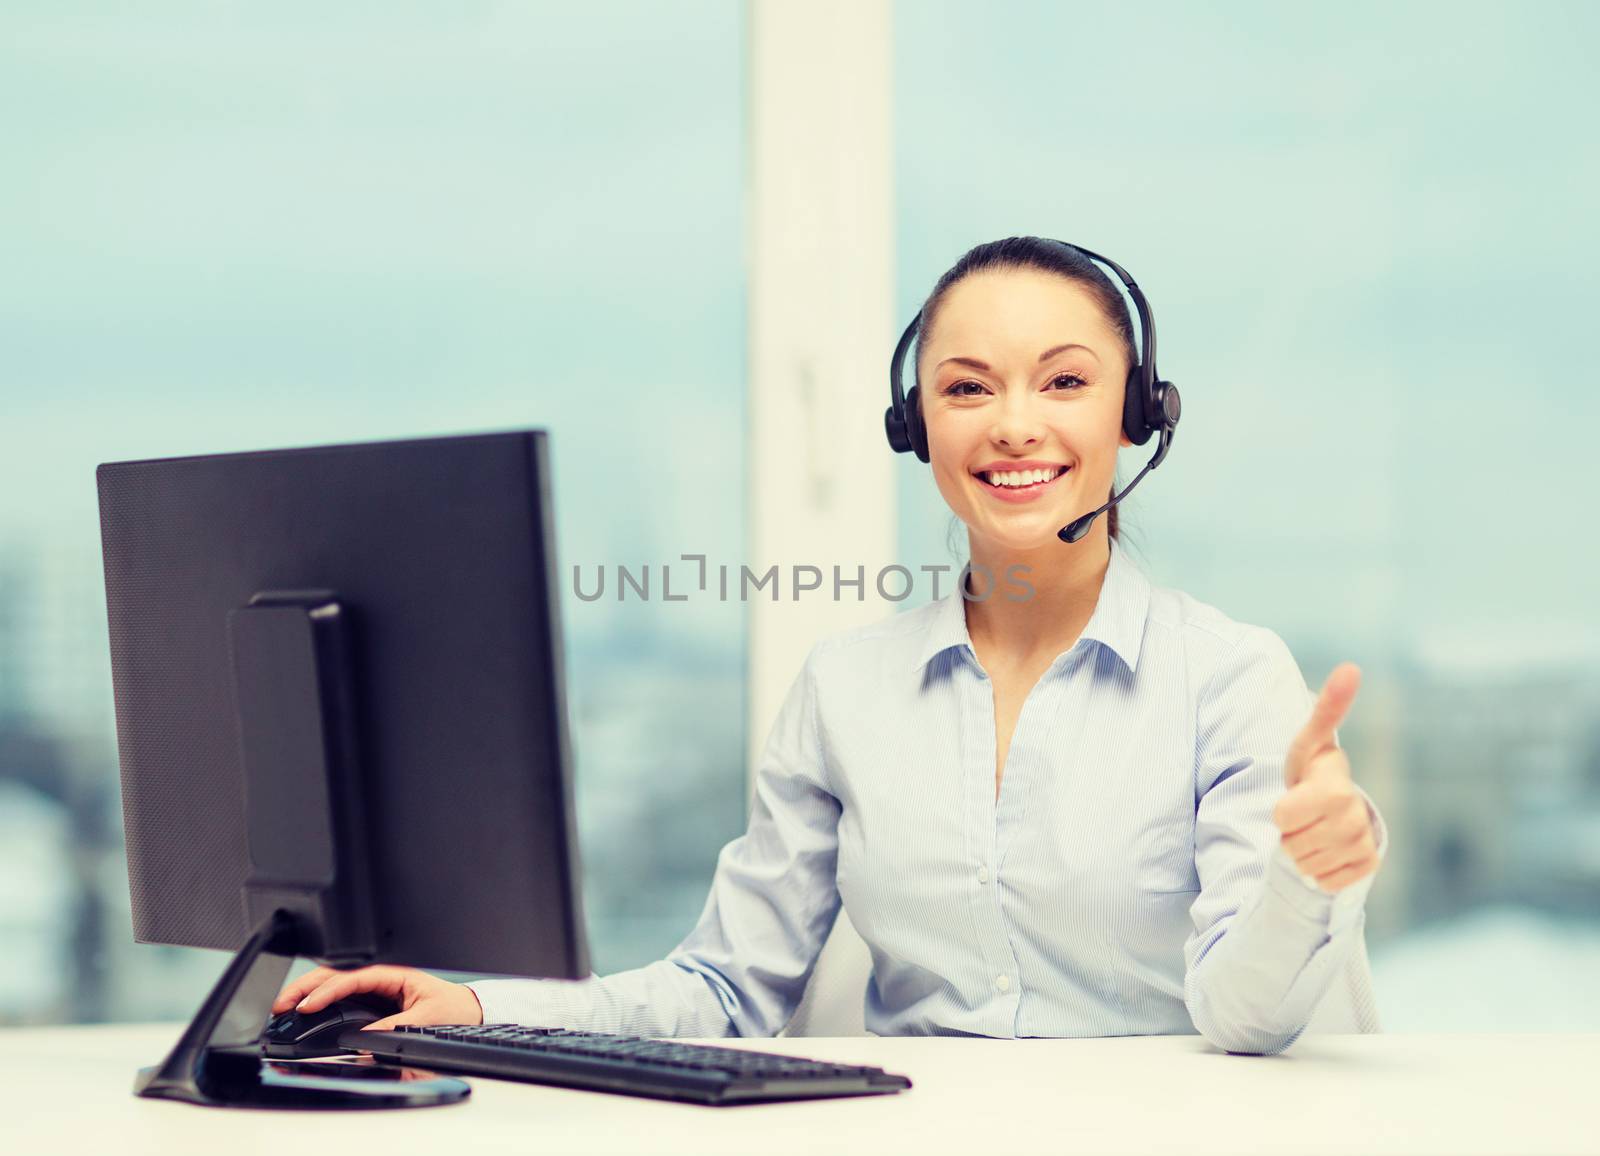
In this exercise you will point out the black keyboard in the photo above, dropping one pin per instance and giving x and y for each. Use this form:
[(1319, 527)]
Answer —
[(700, 1073)]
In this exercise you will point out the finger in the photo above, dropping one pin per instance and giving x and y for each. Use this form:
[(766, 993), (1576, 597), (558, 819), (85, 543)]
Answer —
[(1336, 855), (1342, 877), (1330, 763), (1302, 806), (415, 1014), (296, 990), (1317, 837), (1331, 707), (383, 980), (1323, 796), (1333, 852), (1335, 826)]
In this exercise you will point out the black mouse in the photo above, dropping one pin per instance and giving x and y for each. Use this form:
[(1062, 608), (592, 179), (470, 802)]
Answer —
[(304, 1035)]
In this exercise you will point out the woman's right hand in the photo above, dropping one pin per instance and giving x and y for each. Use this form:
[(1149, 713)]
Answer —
[(423, 998)]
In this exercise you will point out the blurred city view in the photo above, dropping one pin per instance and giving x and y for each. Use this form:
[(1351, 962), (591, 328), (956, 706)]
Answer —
[(1363, 231), (240, 230), (236, 230)]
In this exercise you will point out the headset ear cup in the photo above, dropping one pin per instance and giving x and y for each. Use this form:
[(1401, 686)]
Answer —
[(1133, 409), (916, 432), (895, 430)]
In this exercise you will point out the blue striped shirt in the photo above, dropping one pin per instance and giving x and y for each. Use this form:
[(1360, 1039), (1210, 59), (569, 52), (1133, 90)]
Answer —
[(1128, 880)]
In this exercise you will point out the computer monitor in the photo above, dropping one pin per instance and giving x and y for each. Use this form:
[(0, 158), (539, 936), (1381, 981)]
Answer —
[(342, 727)]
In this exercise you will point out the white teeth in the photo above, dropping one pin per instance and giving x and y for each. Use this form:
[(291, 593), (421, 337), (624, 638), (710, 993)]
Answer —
[(1019, 477)]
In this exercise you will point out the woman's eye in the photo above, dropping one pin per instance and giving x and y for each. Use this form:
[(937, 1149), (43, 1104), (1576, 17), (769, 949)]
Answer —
[(959, 389)]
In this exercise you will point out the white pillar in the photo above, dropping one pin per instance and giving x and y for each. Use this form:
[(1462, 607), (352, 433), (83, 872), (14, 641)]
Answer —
[(821, 275)]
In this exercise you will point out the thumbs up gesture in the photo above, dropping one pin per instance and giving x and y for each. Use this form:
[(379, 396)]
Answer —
[(1323, 818)]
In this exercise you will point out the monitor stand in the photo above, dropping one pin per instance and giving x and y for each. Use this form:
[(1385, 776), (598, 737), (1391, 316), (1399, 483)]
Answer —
[(218, 1059), (309, 890)]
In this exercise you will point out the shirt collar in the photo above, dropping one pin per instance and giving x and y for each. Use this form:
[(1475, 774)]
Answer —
[(1117, 622)]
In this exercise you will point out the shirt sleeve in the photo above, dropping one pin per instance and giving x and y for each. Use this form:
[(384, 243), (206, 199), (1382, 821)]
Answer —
[(773, 899), (1267, 941)]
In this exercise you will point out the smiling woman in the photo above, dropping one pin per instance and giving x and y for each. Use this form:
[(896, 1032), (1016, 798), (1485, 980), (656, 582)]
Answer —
[(1103, 808), (1067, 294)]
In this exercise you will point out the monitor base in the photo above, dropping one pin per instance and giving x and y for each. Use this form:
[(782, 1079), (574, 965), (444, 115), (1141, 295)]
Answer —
[(253, 1082), (218, 1060)]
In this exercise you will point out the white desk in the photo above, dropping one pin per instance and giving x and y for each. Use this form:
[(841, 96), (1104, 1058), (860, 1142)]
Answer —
[(70, 1089)]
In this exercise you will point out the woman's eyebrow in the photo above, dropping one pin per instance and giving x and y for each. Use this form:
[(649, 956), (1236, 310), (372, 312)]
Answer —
[(1043, 357)]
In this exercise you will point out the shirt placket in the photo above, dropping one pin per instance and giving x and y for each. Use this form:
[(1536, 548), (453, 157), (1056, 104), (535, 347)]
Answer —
[(983, 852)]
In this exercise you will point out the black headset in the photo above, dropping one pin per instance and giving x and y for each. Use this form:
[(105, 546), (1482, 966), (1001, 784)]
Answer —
[(1149, 405)]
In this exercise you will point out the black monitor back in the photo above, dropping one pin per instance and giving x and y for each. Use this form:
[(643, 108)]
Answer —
[(441, 552)]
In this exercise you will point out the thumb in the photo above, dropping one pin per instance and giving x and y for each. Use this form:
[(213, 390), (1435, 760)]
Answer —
[(410, 1016), (1331, 707)]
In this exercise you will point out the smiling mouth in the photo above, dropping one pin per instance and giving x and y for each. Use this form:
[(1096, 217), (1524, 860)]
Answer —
[(1021, 481)]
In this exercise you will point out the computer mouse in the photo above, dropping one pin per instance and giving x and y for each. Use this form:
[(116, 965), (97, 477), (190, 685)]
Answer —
[(295, 1035)]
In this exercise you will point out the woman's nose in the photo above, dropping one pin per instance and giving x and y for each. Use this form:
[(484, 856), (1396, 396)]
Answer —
[(1016, 425)]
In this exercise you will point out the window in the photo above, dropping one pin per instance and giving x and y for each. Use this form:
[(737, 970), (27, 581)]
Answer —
[(248, 228), (1361, 237)]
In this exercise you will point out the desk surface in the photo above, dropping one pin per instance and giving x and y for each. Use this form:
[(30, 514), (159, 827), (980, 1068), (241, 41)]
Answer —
[(1326, 1094)]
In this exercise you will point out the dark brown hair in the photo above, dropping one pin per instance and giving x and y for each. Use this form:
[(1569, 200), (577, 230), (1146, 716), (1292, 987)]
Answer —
[(1050, 257)]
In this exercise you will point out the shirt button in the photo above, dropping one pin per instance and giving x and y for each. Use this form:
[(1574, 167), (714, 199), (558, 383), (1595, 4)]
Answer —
[(1002, 983), (983, 875)]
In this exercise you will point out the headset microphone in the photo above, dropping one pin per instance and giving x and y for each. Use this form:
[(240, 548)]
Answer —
[(1149, 406), (1072, 531)]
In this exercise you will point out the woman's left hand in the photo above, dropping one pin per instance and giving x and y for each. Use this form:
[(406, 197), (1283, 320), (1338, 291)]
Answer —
[(1323, 818)]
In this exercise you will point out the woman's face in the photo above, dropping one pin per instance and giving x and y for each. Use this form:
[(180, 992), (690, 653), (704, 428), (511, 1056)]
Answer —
[(999, 391)]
